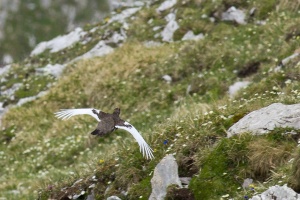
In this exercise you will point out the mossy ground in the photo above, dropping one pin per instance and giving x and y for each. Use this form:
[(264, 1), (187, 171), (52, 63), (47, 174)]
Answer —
[(41, 155)]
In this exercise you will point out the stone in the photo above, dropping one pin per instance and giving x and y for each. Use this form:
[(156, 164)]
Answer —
[(191, 36), (233, 89), (113, 198), (247, 183), (99, 50), (277, 192), (165, 174), (234, 14), (185, 180), (170, 28), (4, 70), (166, 5), (268, 118), (167, 78), (60, 42), (55, 70)]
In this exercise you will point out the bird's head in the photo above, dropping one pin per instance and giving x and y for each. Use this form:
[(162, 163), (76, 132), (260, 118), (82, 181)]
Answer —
[(95, 112), (117, 111)]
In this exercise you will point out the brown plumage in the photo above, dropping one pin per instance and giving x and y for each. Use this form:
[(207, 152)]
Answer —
[(108, 122)]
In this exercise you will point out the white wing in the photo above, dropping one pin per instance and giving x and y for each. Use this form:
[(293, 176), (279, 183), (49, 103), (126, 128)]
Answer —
[(68, 113), (144, 147)]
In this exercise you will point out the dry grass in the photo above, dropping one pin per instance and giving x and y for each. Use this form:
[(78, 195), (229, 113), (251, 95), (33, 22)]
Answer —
[(295, 177), (265, 156)]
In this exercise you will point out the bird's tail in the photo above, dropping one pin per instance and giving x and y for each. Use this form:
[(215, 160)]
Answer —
[(96, 132)]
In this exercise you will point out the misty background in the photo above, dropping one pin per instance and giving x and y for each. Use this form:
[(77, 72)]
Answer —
[(25, 23)]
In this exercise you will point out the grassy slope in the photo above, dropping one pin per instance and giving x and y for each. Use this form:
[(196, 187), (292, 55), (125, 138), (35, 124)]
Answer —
[(42, 24), (49, 154)]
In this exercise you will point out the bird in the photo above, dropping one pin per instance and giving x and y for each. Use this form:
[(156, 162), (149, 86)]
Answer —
[(108, 123)]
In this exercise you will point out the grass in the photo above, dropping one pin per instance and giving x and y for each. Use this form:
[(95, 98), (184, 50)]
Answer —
[(188, 117), (41, 24)]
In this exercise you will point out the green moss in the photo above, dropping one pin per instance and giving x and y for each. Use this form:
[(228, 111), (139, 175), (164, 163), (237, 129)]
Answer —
[(141, 190), (220, 169)]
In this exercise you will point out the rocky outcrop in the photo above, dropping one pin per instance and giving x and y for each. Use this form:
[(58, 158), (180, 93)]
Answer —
[(113, 198), (266, 119), (165, 174), (277, 192)]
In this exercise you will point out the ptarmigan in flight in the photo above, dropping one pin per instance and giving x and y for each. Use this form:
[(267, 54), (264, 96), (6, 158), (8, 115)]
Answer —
[(107, 123)]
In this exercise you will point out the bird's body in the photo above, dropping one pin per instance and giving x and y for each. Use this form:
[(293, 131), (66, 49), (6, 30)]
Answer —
[(107, 123)]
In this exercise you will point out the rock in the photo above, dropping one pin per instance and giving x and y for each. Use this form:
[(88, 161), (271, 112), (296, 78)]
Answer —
[(117, 37), (167, 78), (32, 98), (287, 59), (233, 14), (60, 42), (165, 174), (277, 192), (166, 5), (113, 198), (247, 183), (266, 119), (191, 36), (150, 44), (100, 49), (90, 197), (185, 180), (233, 89), (4, 70), (11, 91), (55, 70), (171, 27), (123, 15)]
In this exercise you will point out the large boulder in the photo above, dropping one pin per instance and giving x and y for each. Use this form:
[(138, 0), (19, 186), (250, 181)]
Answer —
[(165, 174), (277, 192), (266, 119)]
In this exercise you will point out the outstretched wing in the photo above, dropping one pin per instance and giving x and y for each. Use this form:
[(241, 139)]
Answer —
[(144, 147), (68, 113)]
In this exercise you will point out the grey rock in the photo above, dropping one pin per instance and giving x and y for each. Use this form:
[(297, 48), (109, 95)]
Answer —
[(60, 42), (123, 15), (167, 78), (11, 91), (32, 98), (287, 59), (170, 28), (90, 197), (4, 70), (234, 14), (165, 174), (185, 180), (191, 36), (166, 5), (277, 192), (55, 70), (99, 50), (233, 89), (247, 183), (150, 44), (266, 119), (113, 198)]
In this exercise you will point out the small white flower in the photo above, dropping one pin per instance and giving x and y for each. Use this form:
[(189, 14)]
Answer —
[(289, 81)]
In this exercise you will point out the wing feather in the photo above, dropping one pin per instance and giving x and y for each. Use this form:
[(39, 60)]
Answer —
[(145, 149), (68, 113)]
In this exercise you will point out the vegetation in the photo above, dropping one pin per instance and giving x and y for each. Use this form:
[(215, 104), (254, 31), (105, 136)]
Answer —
[(43, 157)]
